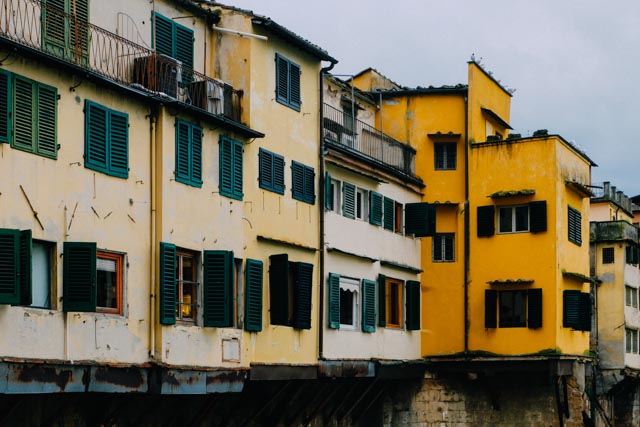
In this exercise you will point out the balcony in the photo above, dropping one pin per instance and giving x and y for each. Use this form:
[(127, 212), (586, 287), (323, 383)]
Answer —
[(49, 31), (354, 137), (609, 231)]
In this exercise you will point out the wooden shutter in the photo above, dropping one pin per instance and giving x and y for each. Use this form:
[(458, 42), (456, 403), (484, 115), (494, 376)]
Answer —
[(79, 277), (282, 79), (46, 144), (413, 305), (585, 312), (278, 174), (382, 300), (237, 150), (490, 308), (388, 213), (164, 38), (575, 226), (218, 289), (184, 48), (538, 216), (302, 296), (375, 208), (6, 101), (226, 167), (534, 308), (265, 171), (571, 309), (54, 28), (448, 246), (348, 200), (25, 267), (168, 294), (119, 144), (486, 221), (309, 185), (279, 289), (253, 296), (438, 254), (96, 134), (183, 158), (333, 298), (328, 192), (420, 219), (195, 164), (24, 119), (9, 266), (297, 180), (368, 306), (295, 98)]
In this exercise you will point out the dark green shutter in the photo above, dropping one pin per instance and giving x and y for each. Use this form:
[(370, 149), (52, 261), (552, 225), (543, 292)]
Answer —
[(231, 168), (389, 212), (486, 221), (538, 216), (183, 136), (184, 51), (571, 309), (328, 192), (302, 295), (309, 185), (490, 308), (168, 290), (279, 289), (333, 299), (413, 305), (25, 267), (294, 86), (575, 226), (9, 266), (420, 219), (253, 296), (196, 155), (297, 180), (119, 144), (24, 118), (348, 200), (278, 174), (282, 79), (96, 134), (79, 31), (164, 37), (585, 312), (534, 308), (237, 169), (375, 208), (265, 171), (218, 289), (628, 255), (46, 131), (368, 306), (79, 277), (382, 300), (5, 106)]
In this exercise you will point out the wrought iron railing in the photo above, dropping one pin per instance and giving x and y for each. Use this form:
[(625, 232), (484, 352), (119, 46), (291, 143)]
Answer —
[(66, 37), (341, 129)]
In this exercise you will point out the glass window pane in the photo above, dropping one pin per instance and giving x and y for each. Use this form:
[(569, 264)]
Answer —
[(522, 218), (107, 283), (506, 218), (346, 307), (41, 275)]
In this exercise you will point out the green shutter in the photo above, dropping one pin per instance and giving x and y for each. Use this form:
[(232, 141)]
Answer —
[(184, 48), (297, 180), (333, 300), (9, 266), (96, 136), (164, 37), (79, 277), (119, 144), (388, 213), (226, 167), (237, 169), (278, 174), (571, 309), (348, 200), (375, 208), (486, 221), (79, 26), (368, 306), (309, 193), (54, 28), (279, 289), (196, 156), (265, 169), (183, 157), (25, 267), (534, 308), (538, 216), (413, 305), (420, 219), (253, 296), (302, 295), (5, 106), (167, 286), (24, 119), (218, 288), (47, 102), (382, 300), (328, 193), (282, 79), (295, 98), (490, 308), (585, 312), (575, 226)]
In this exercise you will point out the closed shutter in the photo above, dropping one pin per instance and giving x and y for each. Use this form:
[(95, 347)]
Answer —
[(253, 296), (196, 156), (382, 300), (420, 219), (5, 106), (119, 144), (24, 115), (571, 309), (486, 222), (437, 247), (534, 308), (309, 185), (297, 180), (368, 306), (163, 35), (490, 308), (279, 289), (226, 167), (388, 213), (334, 301), (237, 150), (54, 28), (79, 277), (538, 216), (295, 98), (278, 174), (265, 163), (183, 157), (25, 267), (413, 305), (282, 79), (9, 266), (168, 297), (47, 101), (328, 192), (585, 312), (96, 122), (184, 50), (303, 292), (218, 288), (375, 208), (348, 200), (575, 226)]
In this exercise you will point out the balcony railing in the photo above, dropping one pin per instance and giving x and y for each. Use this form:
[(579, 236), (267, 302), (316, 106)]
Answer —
[(343, 131), (66, 37), (613, 231)]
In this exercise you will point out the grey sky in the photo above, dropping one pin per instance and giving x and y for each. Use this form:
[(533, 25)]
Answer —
[(573, 63)]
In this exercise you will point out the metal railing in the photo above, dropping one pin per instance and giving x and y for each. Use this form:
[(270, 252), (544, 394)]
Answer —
[(52, 32), (341, 129)]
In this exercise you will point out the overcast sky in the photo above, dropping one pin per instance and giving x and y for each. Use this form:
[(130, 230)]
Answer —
[(573, 63)]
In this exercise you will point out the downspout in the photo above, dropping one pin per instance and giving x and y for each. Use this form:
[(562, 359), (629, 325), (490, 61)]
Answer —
[(466, 224), (322, 208), (152, 239)]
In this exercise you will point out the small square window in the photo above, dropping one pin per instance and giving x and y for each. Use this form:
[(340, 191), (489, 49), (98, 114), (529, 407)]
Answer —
[(513, 219), (109, 282), (443, 247), (513, 309), (445, 156), (608, 255)]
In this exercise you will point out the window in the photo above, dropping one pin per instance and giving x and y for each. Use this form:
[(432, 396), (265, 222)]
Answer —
[(362, 204), (231, 168), (513, 308), (174, 40), (420, 219), (608, 255), (397, 224), (576, 313), (631, 255), (271, 171), (42, 256), (348, 200), (513, 219), (445, 155), (106, 140), (186, 286), (389, 213), (631, 340), (335, 199), (302, 182), (346, 308), (631, 296), (575, 226), (349, 113), (188, 153), (290, 288), (64, 29), (253, 296), (288, 83), (349, 303), (394, 307), (443, 247), (236, 309), (109, 282), (394, 294)]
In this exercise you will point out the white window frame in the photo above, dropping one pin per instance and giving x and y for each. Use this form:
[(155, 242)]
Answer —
[(631, 341), (631, 296), (336, 189), (514, 210), (353, 286), (362, 204), (42, 277)]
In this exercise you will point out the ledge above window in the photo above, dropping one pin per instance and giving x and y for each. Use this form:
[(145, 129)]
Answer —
[(448, 136), (580, 188), (580, 277), (511, 282), (512, 193)]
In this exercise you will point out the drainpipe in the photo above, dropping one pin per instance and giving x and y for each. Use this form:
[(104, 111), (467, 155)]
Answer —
[(152, 239), (466, 224), (322, 208)]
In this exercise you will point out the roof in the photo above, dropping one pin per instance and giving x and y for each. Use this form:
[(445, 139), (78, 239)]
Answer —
[(496, 117), (489, 74), (431, 90), (364, 96), (366, 70)]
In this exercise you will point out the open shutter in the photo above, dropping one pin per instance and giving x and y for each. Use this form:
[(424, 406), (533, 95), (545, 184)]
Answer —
[(585, 312), (119, 144), (486, 221), (184, 50), (5, 106), (96, 135), (279, 289), (297, 180), (388, 213), (382, 300), (25, 267), (420, 219), (78, 29), (79, 277), (183, 158), (328, 192), (237, 149), (538, 216), (348, 200), (413, 305), (47, 103), (490, 308), (9, 266), (571, 309), (163, 35), (218, 288), (302, 295), (334, 301), (168, 295), (226, 167), (375, 208), (282, 79), (24, 97), (368, 306), (253, 296), (534, 308), (265, 161), (295, 98), (196, 155)]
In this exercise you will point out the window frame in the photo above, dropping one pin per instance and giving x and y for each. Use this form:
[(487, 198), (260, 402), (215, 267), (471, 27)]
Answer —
[(398, 224), (608, 255), (336, 195), (445, 156), (398, 284), (514, 219), (362, 204), (441, 239), (181, 254), (290, 292), (517, 319), (118, 258), (50, 249), (288, 83), (352, 286), (631, 296), (73, 16), (631, 340)]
